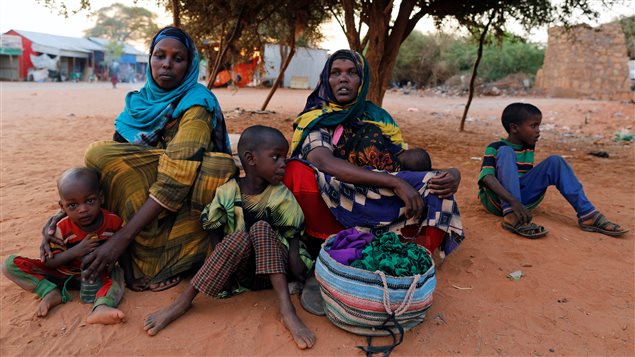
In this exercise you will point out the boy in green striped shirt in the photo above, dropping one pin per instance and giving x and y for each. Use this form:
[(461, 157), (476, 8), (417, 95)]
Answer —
[(510, 185)]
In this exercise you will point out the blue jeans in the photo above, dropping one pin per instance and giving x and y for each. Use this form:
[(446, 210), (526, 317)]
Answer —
[(531, 186)]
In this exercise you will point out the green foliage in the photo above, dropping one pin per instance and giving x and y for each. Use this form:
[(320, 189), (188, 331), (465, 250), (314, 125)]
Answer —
[(390, 22), (419, 59), (431, 59), (122, 23), (230, 31), (628, 26), (114, 51), (295, 22), (509, 56)]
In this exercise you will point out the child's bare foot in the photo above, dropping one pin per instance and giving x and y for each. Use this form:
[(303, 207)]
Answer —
[(302, 336), (106, 315), (48, 302), (158, 320)]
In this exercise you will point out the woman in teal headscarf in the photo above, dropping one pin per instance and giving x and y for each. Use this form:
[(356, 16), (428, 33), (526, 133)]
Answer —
[(170, 153)]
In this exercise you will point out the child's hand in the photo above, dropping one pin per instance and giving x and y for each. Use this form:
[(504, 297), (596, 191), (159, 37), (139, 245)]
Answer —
[(86, 246), (296, 265), (523, 215)]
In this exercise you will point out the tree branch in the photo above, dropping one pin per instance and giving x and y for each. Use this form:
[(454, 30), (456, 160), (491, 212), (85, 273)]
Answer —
[(479, 55)]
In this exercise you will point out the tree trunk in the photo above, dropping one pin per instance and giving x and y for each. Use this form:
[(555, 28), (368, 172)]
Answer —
[(479, 55), (377, 35), (283, 67), (352, 35), (219, 60), (176, 13), (384, 42)]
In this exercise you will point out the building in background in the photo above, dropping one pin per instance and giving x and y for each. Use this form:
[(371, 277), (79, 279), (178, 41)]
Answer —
[(303, 71), (46, 57), (132, 65), (10, 52), (586, 62)]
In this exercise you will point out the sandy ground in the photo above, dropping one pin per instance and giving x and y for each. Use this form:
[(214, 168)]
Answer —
[(576, 297)]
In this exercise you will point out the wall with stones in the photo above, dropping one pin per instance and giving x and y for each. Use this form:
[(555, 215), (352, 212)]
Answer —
[(586, 62)]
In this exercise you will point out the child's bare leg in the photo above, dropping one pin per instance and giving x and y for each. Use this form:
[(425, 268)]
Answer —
[(158, 320), (302, 336), (106, 315), (24, 284), (48, 302)]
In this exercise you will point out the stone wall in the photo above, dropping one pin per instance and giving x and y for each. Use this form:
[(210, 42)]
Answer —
[(586, 62)]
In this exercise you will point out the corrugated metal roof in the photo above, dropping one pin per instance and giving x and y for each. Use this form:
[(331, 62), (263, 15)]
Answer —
[(76, 44), (127, 49)]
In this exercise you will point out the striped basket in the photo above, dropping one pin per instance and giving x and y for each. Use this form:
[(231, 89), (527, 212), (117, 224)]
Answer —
[(371, 303)]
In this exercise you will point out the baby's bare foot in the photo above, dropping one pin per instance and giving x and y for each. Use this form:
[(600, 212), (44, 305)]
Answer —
[(48, 302), (106, 315), (301, 334)]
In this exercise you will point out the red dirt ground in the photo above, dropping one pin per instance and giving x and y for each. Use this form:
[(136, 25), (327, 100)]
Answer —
[(576, 297)]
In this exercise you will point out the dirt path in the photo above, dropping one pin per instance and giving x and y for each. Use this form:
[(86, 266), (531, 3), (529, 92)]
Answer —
[(576, 297)]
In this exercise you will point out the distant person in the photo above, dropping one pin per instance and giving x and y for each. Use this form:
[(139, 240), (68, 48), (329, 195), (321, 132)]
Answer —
[(510, 184), (85, 226), (114, 74), (261, 223), (169, 153)]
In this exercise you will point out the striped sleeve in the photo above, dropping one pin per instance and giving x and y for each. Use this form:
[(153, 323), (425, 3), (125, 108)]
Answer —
[(179, 165), (488, 166)]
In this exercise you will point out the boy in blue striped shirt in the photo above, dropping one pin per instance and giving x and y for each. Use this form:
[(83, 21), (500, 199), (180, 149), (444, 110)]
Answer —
[(510, 185)]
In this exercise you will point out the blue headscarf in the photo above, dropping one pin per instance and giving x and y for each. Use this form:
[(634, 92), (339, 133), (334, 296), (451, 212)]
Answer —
[(148, 110)]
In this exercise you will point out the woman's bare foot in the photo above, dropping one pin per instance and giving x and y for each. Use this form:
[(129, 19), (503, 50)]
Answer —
[(165, 284), (301, 334), (48, 302), (140, 284), (158, 320), (106, 315)]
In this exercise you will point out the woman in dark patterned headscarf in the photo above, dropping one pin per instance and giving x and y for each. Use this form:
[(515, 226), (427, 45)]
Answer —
[(353, 147)]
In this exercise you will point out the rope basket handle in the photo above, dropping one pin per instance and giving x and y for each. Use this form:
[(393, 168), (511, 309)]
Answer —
[(405, 304)]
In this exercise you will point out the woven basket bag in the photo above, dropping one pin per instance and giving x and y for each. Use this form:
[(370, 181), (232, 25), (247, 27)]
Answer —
[(371, 303)]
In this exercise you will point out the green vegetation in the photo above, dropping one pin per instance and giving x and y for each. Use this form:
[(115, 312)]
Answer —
[(432, 59), (122, 23), (628, 26)]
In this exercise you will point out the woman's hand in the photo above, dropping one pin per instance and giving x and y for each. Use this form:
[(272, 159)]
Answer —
[(48, 236), (104, 256), (411, 197), (347, 172), (446, 183)]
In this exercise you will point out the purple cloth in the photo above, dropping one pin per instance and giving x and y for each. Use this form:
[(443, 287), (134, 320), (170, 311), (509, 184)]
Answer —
[(347, 245)]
